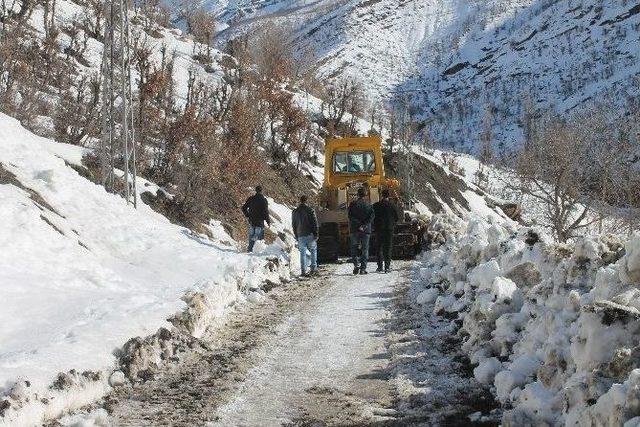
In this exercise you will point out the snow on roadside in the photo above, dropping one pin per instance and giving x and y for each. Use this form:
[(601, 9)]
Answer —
[(81, 272), (552, 328)]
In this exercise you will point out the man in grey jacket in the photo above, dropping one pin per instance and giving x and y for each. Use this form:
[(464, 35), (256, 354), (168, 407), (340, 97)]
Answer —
[(305, 228)]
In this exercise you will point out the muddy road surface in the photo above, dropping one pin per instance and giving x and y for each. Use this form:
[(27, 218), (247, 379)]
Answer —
[(335, 350)]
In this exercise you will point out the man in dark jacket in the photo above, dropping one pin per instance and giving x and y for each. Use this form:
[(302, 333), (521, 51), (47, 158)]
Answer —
[(305, 228), (386, 217), (360, 219), (256, 209)]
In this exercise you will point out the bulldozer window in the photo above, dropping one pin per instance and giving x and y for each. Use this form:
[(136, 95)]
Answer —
[(340, 163), (354, 162)]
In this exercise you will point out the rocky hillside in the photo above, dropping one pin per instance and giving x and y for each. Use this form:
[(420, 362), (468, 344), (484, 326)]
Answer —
[(462, 64)]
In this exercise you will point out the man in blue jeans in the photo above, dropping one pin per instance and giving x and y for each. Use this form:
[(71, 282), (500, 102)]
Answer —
[(360, 219), (305, 228), (256, 209)]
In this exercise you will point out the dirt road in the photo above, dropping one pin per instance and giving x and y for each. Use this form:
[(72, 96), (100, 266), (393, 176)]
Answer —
[(337, 350), (325, 363)]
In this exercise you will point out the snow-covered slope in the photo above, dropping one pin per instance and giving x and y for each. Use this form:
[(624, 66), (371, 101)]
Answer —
[(562, 55), (376, 42), (81, 272), (456, 59), (73, 20)]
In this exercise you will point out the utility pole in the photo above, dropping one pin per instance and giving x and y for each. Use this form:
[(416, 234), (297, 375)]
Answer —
[(118, 136)]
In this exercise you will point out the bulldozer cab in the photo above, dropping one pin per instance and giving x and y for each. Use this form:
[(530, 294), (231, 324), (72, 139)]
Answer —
[(353, 160), (351, 163)]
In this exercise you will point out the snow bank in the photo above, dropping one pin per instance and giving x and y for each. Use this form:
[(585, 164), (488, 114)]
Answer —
[(81, 272), (553, 328)]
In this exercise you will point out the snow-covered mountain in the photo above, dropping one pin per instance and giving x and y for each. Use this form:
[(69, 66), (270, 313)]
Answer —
[(454, 60), (86, 272)]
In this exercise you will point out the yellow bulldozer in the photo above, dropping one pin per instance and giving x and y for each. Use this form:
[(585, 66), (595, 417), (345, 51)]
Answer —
[(351, 163)]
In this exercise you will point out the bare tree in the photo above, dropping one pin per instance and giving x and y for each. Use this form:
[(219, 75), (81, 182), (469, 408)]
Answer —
[(30, 71), (79, 112), (551, 170), (155, 107), (287, 123), (152, 12), (486, 150), (303, 64), (15, 10), (92, 21), (356, 108), (202, 26), (339, 99), (49, 16), (486, 137), (621, 160), (271, 51)]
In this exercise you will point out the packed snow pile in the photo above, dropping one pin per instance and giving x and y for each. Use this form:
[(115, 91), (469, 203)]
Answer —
[(82, 272), (553, 328)]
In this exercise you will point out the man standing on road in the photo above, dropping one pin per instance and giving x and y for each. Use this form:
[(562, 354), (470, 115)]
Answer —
[(256, 209), (360, 219), (305, 228), (386, 217)]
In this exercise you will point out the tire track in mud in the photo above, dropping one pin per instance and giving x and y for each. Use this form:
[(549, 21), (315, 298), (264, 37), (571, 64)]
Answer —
[(326, 365), (189, 393)]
